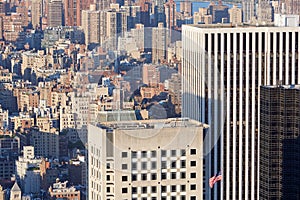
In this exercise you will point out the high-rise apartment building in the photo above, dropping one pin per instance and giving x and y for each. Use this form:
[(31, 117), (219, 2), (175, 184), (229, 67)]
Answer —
[(153, 159), (73, 9), (265, 12), (235, 15), (279, 142), (248, 7), (92, 24), (223, 67), (36, 13), (160, 42), (186, 7), (170, 14), (55, 13)]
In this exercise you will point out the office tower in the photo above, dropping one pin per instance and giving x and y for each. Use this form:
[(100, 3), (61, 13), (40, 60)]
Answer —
[(36, 13), (160, 41), (55, 13), (223, 67), (73, 9), (170, 14), (279, 142), (153, 159), (186, 7), (265, 12), (235, 15), (248, 7), (102, 4)]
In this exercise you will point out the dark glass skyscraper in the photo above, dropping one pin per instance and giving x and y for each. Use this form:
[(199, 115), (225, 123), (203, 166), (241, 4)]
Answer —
[(280, 142)]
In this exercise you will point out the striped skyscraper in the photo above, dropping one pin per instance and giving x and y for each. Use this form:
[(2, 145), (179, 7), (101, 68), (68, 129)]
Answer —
[(223, 67)]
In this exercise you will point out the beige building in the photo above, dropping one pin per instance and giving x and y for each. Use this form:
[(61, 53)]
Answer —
[(235, 15), (55, 10), (36, 13), (160, 42), (93, 24), (157, 159)]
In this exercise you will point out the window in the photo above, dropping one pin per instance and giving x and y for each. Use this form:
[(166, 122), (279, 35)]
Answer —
[(144, 190), (124, 190), (173, 165), (108, 189), (193, 151), (153, 176), (107, 165), (153, 165), (134, 177), (163, 176), (144, 177), (182, 163), (144, 154), (124, 154), (153, 154), (182, 152), (182, 175), (133, 166), (134, 154), (134, 190), (124, 178), (164, 164), (173, 198), (124, 166), (163, 189), (173, 188), (173, 175), (193, 163), (182, 188), (163, 153), (193, 175), (173, 153), (182, 197), (193, 197), (108, 177), (144, 165), (193, 187), (153, 189)]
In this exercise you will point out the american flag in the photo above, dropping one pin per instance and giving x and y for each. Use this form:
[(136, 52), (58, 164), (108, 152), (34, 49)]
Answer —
[(215, 179)]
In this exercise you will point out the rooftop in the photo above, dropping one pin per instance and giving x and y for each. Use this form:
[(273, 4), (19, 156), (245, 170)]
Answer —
[(291, 87), (229, 25), (152, 124)]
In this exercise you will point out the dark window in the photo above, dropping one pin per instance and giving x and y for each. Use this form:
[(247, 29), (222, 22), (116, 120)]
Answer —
[(108, 177), (193, 163), (134, 177), (153, 154), (153, 176), (153, 189), (193, 187), (124, 154), (182, 163), (134, 154), (182, 188), (124, 190), (163, 176), (193, 151), (124, 178), (144, 190), (124, 166), (173, 188), (134, 190), (173, 153), (182, 175), (163, 153), (144, 154), (193, 175), (144, 177), (173, 175), (163, 188)]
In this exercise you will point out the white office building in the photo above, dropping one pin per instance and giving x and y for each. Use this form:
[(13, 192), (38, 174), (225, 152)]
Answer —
[(223, 67), (151, 159)]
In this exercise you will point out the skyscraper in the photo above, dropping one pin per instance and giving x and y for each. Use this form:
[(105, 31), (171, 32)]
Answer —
[(55, 13), (160, 41), (223, 67), (170, 13), (73, 10), (36, 13), (92, 20), (248, 10), (153, 159), (279, 142)]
